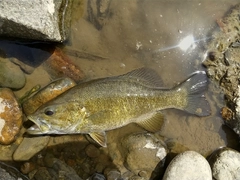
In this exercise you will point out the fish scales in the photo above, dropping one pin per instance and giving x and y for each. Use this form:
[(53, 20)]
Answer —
[(104, 104)]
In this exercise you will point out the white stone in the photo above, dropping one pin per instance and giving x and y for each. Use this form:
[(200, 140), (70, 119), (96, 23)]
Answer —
[(2, 124), (189, 165), (227, 165)]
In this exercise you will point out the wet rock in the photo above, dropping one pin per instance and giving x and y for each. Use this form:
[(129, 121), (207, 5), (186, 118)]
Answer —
[(56, 169), (29, 147), (223, 64), (10, 116), (225, 164), (59, 65), (41, 20), (11, 75), (10, 173), (189, 165), (27, 167), (46, 94), (97, 176), (113, 174), (92, 151), (144, 152)]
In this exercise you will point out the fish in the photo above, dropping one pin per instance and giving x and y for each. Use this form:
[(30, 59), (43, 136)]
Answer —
[(104, 104)]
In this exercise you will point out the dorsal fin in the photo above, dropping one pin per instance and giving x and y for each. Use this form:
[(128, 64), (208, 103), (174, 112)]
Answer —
[(145, 76)]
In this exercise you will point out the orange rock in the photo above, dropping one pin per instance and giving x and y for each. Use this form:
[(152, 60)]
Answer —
[(10, 116), (59, 65), (46, 94)]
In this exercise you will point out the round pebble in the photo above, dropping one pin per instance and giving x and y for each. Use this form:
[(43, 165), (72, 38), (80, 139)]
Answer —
[(97, 176), (188, 165), (143, 152), (92, 151), (10, 116), (27, 167), (113, 174), (225, 164)]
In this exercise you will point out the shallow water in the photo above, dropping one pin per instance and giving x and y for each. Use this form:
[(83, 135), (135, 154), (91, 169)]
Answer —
[(167, 36)]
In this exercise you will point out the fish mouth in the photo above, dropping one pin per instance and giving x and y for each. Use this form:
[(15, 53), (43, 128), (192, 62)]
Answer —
[(37, 128)]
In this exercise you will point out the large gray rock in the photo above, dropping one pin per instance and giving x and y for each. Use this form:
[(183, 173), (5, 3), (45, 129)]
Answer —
[(37, 19)]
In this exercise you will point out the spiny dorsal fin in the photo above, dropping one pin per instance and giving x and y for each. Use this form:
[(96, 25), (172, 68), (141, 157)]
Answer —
[(154, 123), (99, 137), (146, 76)]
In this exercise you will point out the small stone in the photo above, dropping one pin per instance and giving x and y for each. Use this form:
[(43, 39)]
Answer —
[(10, 116), (27, 167), (144, 152), (188, 165), (142, 174), (113, 175), (92, 151), (11, 75), (225, 164), (29, 147), (97, 176), (59, 169)]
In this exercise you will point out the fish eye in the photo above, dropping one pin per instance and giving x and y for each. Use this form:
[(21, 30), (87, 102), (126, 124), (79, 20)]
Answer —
[(49, 112)]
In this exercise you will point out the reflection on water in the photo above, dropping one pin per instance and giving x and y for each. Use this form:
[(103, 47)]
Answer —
[(167, 36)]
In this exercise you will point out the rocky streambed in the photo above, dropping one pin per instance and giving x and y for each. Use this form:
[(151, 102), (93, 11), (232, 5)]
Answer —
[(110, 37)]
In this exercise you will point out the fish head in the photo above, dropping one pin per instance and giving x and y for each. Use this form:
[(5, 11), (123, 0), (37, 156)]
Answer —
[(56, 118)]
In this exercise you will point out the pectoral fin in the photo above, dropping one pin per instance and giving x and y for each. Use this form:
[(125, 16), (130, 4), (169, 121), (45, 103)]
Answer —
[(154, 123), (100, 138)]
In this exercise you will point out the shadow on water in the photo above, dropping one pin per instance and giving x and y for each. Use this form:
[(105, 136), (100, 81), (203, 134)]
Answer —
[(32, 54)]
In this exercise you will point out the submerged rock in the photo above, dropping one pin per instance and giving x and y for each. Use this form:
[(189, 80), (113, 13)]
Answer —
[(10, 173), (189, 165), (97, 176), (55, 169), (10, 116), (38, 20), (29, 147), (11, 75), (225, 164), (59, 65), (144, 154)]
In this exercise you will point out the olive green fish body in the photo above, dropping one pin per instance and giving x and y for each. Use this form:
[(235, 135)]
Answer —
[(104, 104)]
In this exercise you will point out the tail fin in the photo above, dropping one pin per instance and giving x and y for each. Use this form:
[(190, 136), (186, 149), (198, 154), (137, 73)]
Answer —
[(196, 85)]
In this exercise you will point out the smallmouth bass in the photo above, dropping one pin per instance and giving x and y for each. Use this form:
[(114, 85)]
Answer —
[(104, 104)]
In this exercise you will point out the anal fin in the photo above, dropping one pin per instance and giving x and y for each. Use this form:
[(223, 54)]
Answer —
[(154, 123), (100, 138)]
